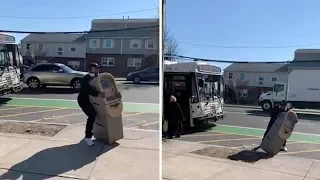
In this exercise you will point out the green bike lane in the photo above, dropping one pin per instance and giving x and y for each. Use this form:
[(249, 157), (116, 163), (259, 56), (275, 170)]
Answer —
[(72, 104)]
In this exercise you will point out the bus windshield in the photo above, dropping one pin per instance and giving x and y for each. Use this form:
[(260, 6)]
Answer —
[(211, 86), (9, 55)]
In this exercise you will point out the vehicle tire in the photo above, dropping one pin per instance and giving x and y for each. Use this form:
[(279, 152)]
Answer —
[(266, 105), (137, 80), (76, 83), (33, 83)]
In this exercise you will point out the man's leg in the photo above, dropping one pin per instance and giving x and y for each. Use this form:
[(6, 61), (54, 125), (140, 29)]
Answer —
[(90, 112)]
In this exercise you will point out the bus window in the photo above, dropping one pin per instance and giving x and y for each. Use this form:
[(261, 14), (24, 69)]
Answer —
[(205, 92)]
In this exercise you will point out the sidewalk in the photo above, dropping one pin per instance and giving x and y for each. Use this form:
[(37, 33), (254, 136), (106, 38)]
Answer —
[(179, 164), (62, 157)]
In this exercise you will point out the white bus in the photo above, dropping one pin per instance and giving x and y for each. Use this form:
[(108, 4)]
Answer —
[(10, 61), (199, 88)]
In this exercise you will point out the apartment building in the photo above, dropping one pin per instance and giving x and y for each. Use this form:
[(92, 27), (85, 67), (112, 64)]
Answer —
[(250, 80), (69, 49), (126, 50)]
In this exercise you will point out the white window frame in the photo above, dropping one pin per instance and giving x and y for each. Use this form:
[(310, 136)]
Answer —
[(108, 59), (150, 41), (71, 63), (40, 50), (273, 78), (260, 82), (104, 43), (90, 43), (28, 46), (242, 76), (134, 62), (135, 41), (73, 46), (58, 49)]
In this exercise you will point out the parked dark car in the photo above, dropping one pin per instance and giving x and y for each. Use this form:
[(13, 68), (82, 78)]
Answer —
[(149, 74)]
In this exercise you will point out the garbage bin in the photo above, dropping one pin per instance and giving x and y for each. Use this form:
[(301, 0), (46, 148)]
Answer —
[(108, 125), (280, 131)]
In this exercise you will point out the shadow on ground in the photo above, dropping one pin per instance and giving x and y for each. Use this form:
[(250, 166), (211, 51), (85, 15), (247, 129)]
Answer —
[(3, 101), (249, 156), (315, 117), (55, 161), (48, 90)]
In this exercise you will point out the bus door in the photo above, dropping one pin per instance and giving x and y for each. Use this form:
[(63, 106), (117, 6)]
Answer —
[(180, 85)]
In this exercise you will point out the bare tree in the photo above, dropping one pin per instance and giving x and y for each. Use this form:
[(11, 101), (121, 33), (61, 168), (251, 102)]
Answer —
[(239, 87), (171, 45), (35, 53)]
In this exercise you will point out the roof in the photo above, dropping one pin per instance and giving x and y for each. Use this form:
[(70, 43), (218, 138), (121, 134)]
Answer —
[(256, 67), (148, 32), (54, 38), (146, 20)]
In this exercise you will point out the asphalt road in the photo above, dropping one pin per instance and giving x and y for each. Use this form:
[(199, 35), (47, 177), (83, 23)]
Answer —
[(243, 129), (255, 118), (137, 120), (138, 93)]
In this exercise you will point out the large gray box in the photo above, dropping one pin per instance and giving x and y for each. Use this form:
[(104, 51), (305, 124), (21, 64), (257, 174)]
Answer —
[(280, 131), (108, 125)]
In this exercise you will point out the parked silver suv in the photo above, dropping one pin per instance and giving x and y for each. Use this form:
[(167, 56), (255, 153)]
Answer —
[(52, 74)]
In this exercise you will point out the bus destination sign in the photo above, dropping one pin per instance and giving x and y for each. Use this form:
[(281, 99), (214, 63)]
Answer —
[(7, 38), (208, 68)]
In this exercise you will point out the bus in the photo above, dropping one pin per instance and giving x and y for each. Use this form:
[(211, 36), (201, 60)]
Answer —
[(199, 88), (10, 61)]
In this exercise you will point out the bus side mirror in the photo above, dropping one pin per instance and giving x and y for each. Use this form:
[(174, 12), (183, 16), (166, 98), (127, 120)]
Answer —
[(201, 82)]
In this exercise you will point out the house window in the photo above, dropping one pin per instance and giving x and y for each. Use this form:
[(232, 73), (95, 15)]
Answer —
[(73, 48), (28, 46), (242, 77), (274, 79), (94, 43), (243, 93), (108, 43), (107, 61), (260, 80), (40, 47), (135, 43), (230, 75), (74, 64), (134, 62), (60, 49), (42, 61), (150, 44)]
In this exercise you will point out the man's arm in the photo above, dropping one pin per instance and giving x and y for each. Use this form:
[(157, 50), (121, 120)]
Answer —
[(85, 85)]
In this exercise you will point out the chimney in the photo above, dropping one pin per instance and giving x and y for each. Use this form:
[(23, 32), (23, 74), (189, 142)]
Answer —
[(128, 17), (123, 17)]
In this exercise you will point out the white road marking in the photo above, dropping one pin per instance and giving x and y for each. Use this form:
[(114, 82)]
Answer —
[(302, 123), (245, 127)]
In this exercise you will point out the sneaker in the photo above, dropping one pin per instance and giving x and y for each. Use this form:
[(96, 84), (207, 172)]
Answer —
[(284, 149), (88, 141)]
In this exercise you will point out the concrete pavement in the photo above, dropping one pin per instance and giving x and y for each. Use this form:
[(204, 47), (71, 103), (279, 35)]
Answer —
[(64, 156), (178, 163)]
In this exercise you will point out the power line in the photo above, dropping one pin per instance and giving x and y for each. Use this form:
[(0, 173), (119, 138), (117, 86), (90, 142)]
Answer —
[(79, 32), (76, 17), (250, 47), (244, 62)]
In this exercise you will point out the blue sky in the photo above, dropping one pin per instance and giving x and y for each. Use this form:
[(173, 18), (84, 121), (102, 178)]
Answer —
[(244, 23), (68, 8)]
